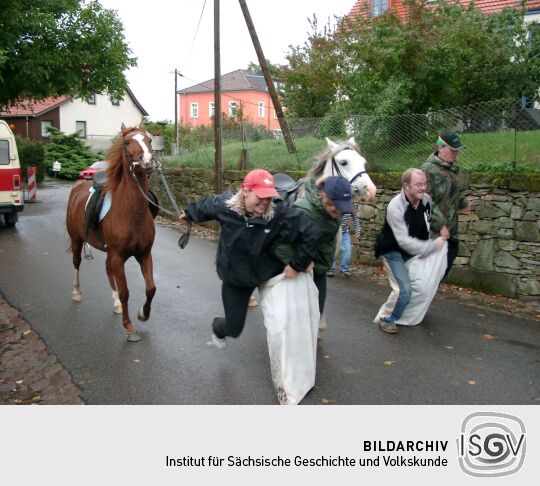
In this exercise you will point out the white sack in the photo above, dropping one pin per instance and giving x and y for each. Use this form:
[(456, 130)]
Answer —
[(425, 275), (291, 315)]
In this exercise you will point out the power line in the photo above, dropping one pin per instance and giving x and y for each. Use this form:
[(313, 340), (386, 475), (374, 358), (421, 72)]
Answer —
[(195, 36)]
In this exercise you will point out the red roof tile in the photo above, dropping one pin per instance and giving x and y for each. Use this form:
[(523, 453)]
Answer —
[(361, 7), (34, 108)]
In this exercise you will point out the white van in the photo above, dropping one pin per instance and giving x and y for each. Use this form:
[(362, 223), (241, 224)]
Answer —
[(11, 189)]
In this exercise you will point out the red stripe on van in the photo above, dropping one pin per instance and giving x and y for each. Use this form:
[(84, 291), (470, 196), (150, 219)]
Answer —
[(6, 178)]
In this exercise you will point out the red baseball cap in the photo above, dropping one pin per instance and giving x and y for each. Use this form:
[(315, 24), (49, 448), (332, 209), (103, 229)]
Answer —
[(261, 183)]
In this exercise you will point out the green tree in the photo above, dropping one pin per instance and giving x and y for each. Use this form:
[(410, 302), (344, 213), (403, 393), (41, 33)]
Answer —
[(312, 77), (70, 151), (60, 47), (443, 55), (255, 68)]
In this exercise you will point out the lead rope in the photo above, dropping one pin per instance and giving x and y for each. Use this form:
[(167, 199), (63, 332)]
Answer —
[(184, 237)]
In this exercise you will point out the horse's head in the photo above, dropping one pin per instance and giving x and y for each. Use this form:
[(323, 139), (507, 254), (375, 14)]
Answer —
[(138, 148), (345, 159)]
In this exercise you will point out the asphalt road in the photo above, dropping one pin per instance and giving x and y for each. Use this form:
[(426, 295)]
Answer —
[(461, 354)]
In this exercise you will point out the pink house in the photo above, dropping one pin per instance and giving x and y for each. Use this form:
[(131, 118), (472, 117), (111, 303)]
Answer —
[(241, 91)]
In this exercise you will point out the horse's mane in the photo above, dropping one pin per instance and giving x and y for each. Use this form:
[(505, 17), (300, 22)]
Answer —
[(115, 154), (328, 153)]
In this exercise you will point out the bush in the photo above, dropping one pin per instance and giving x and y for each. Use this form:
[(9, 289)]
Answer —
[(71, 152), (31, 154)]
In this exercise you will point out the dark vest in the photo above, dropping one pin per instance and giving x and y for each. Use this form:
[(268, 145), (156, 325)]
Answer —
[(417, 221)]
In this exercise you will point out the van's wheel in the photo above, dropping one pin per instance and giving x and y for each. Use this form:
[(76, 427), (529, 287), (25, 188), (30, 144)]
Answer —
[(11, 219)]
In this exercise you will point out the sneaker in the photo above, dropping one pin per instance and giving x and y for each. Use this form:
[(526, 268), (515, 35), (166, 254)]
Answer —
[(330, 273), (346, 273), (220, 343), (388, 327)]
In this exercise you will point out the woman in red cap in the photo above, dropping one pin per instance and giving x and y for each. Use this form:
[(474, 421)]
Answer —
[(251, 223)]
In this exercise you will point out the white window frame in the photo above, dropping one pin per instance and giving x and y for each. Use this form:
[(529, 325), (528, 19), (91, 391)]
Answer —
[(44, 125), (194, 110), (82, 130), (211, 109), (261, 109), (378, 7), (233, 108)]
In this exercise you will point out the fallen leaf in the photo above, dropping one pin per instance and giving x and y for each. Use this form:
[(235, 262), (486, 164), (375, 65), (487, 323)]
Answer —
[(137, 360), (19, 382), (478, 359), (326, 401), (471, 382), (388, 362), (326, 356), (37, 398), (481, 315), (26, 332), (488, 337), (449, 347)]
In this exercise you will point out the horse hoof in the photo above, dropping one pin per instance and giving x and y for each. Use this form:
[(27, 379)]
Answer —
[(134, 337), (118, 310), (77, 297), (141, 316)]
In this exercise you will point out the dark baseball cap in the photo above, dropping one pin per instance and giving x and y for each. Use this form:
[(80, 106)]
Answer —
[(338, 189), (450, 139)]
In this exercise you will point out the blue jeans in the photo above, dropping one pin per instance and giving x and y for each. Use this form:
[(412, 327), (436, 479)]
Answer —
[(396, 262), (345, 253)]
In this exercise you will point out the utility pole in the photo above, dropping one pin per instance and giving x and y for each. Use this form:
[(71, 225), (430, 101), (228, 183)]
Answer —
[(218, 185), (268, 78), (176, 108)]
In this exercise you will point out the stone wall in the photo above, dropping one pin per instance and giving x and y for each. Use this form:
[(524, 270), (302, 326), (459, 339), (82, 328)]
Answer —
[(499, 241)]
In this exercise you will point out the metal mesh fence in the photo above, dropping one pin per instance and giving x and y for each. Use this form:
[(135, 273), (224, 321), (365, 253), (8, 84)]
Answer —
[(502, 135)]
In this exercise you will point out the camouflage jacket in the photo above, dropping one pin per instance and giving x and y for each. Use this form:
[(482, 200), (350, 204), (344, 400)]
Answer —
[(443, 186)]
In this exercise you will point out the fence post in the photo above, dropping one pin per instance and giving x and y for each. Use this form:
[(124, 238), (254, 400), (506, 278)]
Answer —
[(515, 149)]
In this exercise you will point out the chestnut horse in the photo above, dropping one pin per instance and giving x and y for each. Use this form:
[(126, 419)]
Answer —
[(127, 229)]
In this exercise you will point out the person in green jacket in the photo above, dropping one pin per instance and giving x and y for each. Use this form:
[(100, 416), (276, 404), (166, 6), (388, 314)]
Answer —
[(325, 201), (442, 173)]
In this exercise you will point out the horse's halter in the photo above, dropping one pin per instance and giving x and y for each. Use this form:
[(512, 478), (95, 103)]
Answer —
[(335, 167), (147, 167)]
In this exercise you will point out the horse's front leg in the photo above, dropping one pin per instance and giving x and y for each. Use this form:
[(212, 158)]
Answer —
[(117, 269), (117, 305), (147, 268)]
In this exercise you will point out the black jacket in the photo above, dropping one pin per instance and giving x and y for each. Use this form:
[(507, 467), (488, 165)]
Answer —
[(244, 254)]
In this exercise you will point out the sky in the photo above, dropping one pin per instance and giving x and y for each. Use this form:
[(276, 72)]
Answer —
[(162, 36)]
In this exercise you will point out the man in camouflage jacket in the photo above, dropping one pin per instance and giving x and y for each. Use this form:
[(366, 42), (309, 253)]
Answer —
[(442, 174)]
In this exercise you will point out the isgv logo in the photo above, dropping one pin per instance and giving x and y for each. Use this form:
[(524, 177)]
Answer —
[(491, 444)]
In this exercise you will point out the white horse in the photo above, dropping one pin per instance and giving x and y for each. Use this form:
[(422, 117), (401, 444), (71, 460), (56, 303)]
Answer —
[(344, 159)]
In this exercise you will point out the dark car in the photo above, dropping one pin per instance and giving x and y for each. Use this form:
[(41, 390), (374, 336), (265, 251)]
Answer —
[(89, 172)]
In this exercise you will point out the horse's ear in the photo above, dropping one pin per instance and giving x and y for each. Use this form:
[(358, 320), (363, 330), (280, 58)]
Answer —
[(352, 141), (142, 127), (330, 144), (123, 128)]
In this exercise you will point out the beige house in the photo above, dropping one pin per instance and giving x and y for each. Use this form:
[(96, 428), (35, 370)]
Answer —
[(98, 120)]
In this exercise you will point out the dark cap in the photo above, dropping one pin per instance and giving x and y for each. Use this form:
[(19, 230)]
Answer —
[(338, 189), (450, 139)]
